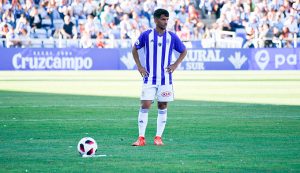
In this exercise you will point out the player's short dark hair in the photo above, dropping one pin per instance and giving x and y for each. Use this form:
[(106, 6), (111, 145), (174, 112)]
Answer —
[(159, 12)]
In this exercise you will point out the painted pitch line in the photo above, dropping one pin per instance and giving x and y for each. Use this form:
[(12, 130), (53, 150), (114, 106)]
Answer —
[(48, 106), (150, 118), (124, 106)]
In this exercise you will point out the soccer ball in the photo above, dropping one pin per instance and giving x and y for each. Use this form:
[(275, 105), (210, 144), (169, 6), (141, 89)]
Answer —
[(87, 146)]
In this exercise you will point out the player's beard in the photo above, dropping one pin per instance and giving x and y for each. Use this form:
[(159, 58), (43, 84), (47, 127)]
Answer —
[(163, 27)]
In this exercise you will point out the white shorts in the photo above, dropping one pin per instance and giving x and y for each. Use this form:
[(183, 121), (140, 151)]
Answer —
[(163, 93)]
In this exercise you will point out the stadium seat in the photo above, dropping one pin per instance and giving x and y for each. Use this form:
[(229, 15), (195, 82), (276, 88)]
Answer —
[(41, 33), (208, 43), (58, 23), (36, 43), (46, 22), (2, 43), (48, 43), (72, 43), (81, 21), (97, 22)]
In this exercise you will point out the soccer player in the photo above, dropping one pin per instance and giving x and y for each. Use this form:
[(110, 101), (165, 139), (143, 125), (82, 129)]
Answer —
[(158, 44)]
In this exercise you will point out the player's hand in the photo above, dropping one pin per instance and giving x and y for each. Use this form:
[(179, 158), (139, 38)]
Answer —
[(171, 68), (143, 72)]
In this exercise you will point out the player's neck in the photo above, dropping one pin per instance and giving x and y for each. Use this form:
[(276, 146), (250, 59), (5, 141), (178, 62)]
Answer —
[(160, 31)]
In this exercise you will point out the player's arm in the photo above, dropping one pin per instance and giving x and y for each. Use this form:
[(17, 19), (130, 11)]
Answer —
[(136, 58), (179, 47), (171, 68)]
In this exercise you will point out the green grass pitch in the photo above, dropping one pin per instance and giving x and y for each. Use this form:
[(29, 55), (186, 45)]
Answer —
[(220, 122)]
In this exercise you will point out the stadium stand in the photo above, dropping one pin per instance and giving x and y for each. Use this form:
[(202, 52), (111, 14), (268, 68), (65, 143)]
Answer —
[(248, 23)]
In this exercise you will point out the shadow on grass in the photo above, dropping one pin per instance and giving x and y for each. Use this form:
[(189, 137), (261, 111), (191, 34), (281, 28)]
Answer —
[(32, 105), (41, 131)]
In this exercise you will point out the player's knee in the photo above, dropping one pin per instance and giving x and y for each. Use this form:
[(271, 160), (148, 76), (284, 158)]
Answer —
[(162, 105), (146, 105)]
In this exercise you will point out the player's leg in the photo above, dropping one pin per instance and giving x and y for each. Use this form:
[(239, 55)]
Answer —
[(164, 95), (148, 94), (161, 122), (143, 116)]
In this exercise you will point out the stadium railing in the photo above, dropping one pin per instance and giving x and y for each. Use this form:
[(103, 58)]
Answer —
[(225, 42)]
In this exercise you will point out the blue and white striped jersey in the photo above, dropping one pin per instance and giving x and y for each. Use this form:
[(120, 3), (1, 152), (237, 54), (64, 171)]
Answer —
[(158, 52)]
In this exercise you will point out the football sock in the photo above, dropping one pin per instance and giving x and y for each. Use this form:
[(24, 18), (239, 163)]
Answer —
[(142, 121), (161, 121)]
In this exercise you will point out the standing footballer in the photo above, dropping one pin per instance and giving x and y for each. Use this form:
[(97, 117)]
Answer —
[(158, 44)]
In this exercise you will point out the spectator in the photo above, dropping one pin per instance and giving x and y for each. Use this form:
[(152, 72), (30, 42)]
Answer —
[(235, 23), (148, 8), (223, 23), (29, 4), (184, 34), (199, 30), (12, 38), (35, 18), (217, 5), (51, 8), (90, 7), (24, 39), (86, 41), (113, 32), (172, 17), (206, 8), (127, 7), (4, 5), (276, 38), (8, 17), (140, 22), (69, 30), (286, 37), (182, 15), (17, 8), (81, 28), (4, 29), (230, 14), (106, 17), (118, 13), (194, 17), (178, 26), (126, 27), (250, 42), (64, 9), (91, 27), (292, 24), (265, 35), (76, 10), (99, 40), (23, 23), (245, 15), (277, 22)]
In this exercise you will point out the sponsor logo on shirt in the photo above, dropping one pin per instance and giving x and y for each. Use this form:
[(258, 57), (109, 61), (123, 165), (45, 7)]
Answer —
[(166, 94)]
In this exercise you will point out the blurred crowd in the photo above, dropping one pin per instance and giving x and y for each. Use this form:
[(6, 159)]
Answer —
[(262, 23)]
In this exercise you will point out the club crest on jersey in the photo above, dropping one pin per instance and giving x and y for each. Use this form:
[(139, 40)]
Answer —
[(166, 94), (159, 44), (137, 42)]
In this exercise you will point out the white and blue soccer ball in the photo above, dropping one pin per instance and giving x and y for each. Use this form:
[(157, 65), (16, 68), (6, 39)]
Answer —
[(87, 146)]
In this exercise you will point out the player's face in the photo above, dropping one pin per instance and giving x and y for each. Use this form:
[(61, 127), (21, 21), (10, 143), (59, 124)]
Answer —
[(162, 22)]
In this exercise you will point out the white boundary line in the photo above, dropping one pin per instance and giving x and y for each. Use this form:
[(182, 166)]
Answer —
[(87, 156), (118, 106), (48, 106), (150, 118), (60, 119)]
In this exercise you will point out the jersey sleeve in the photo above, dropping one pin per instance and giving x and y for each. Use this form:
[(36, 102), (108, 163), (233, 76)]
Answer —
[(178, 45), (140, 42)]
